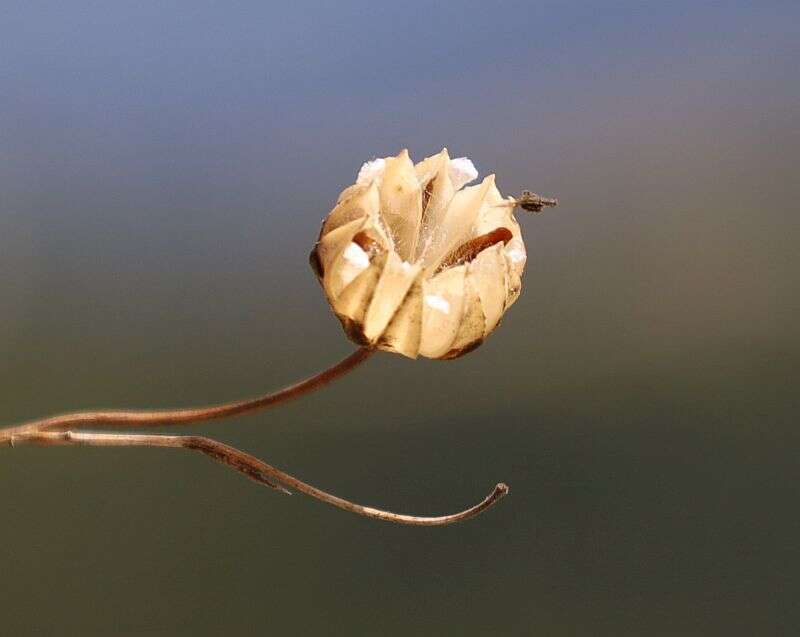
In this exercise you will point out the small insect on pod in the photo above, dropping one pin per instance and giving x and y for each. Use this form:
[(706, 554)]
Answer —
[(414, 261)]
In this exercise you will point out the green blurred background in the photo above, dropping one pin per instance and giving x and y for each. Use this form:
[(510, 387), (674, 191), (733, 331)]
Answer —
[(163, 171)]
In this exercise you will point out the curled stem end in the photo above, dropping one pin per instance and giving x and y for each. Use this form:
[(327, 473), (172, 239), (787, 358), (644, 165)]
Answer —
[(534, 203)]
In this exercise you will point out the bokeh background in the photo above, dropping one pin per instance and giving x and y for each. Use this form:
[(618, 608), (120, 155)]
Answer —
[(164, 167)]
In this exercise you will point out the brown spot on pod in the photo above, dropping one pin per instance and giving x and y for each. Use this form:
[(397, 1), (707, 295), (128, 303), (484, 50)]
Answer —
[(316, 264), (459, 352), (368, 244), (466, 252), (426, 197)]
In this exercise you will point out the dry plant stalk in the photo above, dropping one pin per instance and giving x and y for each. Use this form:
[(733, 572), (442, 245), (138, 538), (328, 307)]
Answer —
[(410, 263), (65, 430)]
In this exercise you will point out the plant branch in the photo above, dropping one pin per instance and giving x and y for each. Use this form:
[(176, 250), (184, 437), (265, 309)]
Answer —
[(248, 465), (84, 419), (61, 431)]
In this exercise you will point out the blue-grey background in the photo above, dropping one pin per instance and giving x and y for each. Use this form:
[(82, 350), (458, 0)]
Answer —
[(164, 167)]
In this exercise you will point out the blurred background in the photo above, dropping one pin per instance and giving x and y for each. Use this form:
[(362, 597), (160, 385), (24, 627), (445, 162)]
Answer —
[(164, 168)]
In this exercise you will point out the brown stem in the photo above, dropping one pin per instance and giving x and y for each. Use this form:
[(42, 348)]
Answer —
[(248, 465), (54, 431), (84, 419)]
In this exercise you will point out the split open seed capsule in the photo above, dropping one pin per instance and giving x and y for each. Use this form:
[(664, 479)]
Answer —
[(414, 261)]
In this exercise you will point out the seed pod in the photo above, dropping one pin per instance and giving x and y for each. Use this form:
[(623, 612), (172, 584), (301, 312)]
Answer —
[(414, 262)]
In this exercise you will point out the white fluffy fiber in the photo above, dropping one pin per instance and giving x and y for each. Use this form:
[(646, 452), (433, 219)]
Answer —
[(371, 170), (461, 169)]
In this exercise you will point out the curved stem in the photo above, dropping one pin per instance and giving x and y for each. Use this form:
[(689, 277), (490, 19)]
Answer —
[(251, 467), (55, 430), (80, 420)]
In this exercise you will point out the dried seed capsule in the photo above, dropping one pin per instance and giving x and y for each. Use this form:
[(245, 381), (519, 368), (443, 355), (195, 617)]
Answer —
[(414, 261)]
